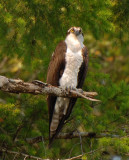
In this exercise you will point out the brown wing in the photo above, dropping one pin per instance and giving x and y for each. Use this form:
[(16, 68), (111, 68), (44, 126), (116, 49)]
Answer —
[(81, 78), (55, 70)]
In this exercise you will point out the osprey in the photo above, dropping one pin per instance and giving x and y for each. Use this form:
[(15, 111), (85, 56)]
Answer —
[(67, 68)]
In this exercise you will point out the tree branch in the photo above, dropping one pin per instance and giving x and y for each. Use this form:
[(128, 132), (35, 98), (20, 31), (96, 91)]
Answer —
[(74, 135), (22, 154), (38, 87), (80, 156), (26, 156)]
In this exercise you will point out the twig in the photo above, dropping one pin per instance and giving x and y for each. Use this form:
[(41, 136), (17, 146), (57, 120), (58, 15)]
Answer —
[(80, 141), (79, 156), (82, 96), (15, 156), (37, 87), (44, 146), (17, 131), (25, 157), (73, 148), (22, 154)]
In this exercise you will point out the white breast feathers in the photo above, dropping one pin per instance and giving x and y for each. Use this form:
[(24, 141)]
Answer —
[(73, 59)]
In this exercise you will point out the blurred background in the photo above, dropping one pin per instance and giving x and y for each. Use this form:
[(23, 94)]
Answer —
[(29, 33)]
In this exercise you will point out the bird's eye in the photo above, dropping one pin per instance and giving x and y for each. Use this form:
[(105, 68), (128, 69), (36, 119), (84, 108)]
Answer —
[(72, 30)]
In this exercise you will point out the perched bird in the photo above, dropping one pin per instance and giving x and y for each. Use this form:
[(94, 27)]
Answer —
[(67, 68)]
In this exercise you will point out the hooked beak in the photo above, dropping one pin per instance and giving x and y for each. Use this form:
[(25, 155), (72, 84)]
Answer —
[(77, 32)]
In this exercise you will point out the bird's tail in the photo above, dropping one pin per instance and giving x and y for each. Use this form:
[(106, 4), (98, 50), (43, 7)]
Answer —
[(51, 138)]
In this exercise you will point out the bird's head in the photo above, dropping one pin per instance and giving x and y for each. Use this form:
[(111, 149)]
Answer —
[(76, 31)]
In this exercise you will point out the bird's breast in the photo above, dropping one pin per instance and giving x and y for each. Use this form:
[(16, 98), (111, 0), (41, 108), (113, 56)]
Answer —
[(73, 63)]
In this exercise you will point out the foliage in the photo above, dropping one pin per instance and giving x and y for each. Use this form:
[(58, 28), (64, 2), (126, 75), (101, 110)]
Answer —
[(29, 32)]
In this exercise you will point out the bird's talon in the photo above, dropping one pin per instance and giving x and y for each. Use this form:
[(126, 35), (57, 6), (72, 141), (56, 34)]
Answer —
[(70, 88), (74, 88), (67, 89)]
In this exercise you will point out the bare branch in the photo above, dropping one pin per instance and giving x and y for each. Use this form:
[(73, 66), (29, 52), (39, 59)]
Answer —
[(26, 156), (74, 135), (80, 156), (20, 154), (37, 87), (84, 134), (77, 157), (17, 131)]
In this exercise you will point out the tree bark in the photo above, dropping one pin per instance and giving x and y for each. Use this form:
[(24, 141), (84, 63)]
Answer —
[(73, 135), (38, 87)]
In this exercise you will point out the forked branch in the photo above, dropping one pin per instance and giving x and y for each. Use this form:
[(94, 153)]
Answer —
[(38, 87)]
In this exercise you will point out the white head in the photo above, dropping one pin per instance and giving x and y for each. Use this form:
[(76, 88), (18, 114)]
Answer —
[(77, 32)]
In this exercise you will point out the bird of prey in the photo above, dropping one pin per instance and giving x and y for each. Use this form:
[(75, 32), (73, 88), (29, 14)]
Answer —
[(67, 68)]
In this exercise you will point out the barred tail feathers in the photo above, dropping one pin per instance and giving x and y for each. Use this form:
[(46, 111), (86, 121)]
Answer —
[(59, 110)]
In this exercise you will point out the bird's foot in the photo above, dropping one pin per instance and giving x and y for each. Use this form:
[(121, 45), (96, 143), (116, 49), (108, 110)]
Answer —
[(71, 88), (67, 88), (40, 83)]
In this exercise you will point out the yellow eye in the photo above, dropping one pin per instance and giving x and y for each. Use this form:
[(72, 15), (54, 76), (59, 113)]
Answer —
[(72, 30)]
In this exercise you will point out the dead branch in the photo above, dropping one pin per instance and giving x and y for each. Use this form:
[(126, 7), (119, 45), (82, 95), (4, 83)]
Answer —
[(80, 156), (77, 157), (20, 154), (26, 156), (73, 135), (38, 87)]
